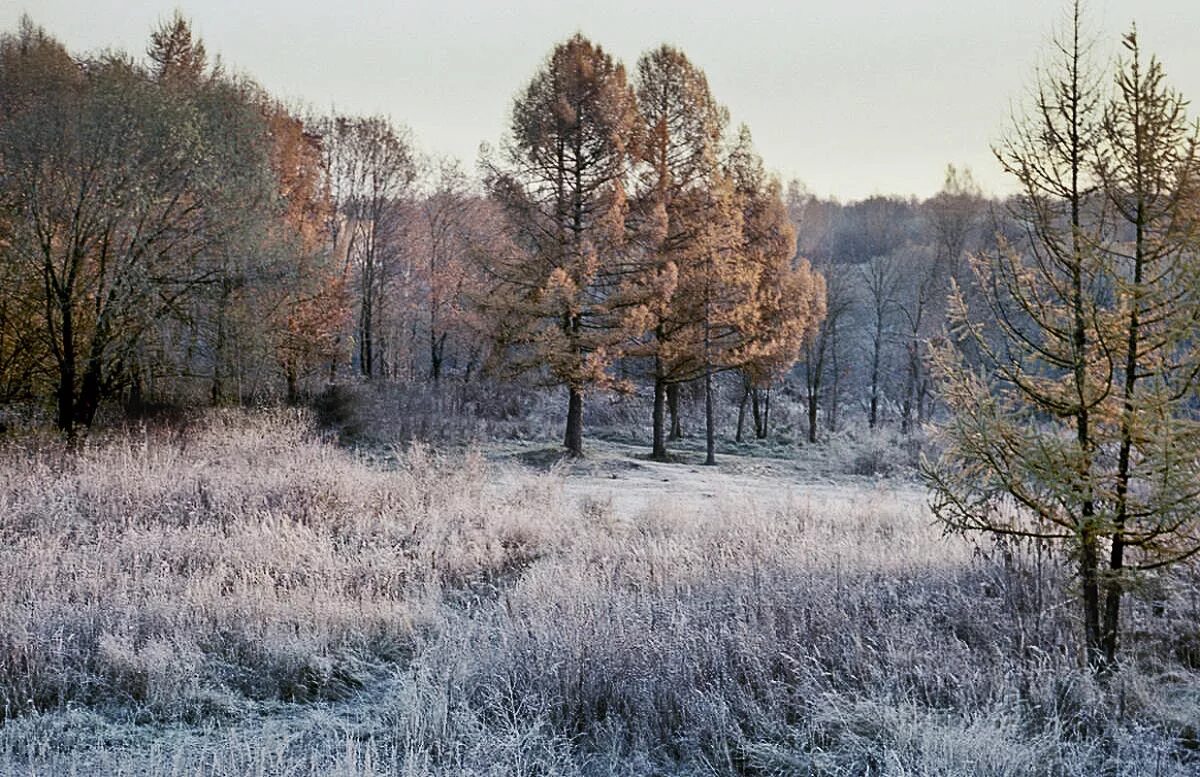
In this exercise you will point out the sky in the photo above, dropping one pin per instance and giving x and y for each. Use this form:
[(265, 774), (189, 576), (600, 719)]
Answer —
[(852, 97)]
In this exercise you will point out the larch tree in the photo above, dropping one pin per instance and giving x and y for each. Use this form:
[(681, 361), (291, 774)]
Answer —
[(1147, 166), (716, 297), (571, 294), (789, 297), (749, 306), (792, 304), (684, 127), (1023, 438)]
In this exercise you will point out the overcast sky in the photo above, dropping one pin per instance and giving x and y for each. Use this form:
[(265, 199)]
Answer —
[(854, 97)]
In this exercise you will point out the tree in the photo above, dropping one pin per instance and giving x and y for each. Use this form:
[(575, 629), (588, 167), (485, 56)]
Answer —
[(820, 350), (952, 215), (114, 188), (1021, 438), (684, 127), (881, 277), (1148, 170), (176, 57), (750, 305), (453, 221), (30, 62), (570, 296), (239, 264), (812, 220), (21, 352), (1085, 341), (724, 290), (311, 305), (371, 169), (789, 301), (792, 303)]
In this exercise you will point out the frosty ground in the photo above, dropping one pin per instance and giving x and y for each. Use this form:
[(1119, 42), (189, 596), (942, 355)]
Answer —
[(243, 596)]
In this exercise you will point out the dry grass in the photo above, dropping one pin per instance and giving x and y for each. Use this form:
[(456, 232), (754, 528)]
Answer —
[(246, 599), (240, 561)]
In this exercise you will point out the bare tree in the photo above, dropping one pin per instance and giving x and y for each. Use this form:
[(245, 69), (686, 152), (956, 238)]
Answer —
[(371, 170), (953, 215), (820, 351), (881, 279)]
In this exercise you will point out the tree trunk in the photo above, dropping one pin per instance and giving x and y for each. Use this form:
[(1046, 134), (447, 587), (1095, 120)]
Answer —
[(710, 421), (659, 452), (910, 388), (756, 409), (873, 415), (814, 375), (1112, 599), (742, 413), (573, 439), (764, 425), (365, 355), (66, 398), (217, 389), (673, 408), (88, 400), (66, 370), (76, 407), (136, 404), (1088, 552), (835, 394), (923, 402), (1116, 563), (436, 349), (293, 388), (1088, 575), (366, 325), (814, 398)]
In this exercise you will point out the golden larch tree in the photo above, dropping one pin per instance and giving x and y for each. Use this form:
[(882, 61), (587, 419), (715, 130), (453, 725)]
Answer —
[(572, 293)]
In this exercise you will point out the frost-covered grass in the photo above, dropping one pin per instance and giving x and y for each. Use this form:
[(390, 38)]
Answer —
[(244, 598)]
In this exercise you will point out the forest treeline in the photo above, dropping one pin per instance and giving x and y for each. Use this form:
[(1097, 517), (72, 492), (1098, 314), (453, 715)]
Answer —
[(171, 233)]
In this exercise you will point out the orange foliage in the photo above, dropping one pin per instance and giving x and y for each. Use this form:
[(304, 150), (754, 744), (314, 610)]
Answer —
[(314, 308)]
